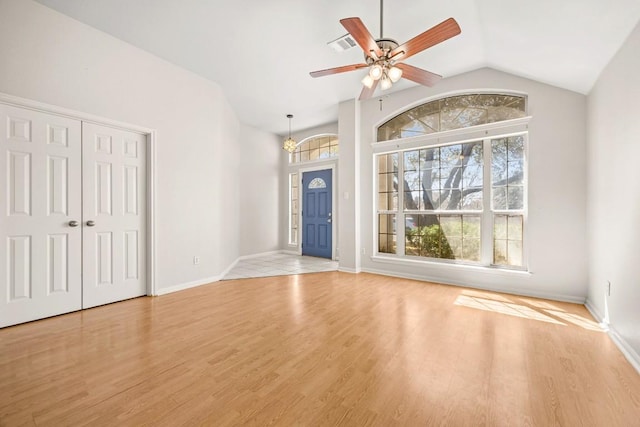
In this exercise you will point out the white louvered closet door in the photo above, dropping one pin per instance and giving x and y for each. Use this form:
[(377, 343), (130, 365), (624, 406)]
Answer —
[(40, 212), (114, 209)]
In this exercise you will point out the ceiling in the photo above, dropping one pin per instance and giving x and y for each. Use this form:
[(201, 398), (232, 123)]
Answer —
[(261, 51)]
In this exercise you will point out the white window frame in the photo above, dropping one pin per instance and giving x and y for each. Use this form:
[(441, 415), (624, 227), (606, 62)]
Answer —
[(291, 242), (485, 133)]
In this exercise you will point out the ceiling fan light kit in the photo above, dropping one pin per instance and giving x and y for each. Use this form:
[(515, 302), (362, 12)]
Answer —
[(382, 56)]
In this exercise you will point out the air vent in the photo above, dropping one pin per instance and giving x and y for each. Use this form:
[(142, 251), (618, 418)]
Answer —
[(342, 43)]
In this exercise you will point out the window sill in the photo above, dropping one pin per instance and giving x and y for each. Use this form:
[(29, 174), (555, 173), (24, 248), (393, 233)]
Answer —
[(489, 270)]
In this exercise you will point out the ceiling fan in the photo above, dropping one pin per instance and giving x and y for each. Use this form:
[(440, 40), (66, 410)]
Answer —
[(382, 56)]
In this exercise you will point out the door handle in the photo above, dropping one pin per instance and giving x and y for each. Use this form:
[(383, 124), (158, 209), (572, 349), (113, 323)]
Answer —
[(329, 220), (90, 223), (73, 223)]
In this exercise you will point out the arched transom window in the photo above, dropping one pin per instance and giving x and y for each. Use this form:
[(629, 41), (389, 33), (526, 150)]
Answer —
[(454, 112), (315, 148)]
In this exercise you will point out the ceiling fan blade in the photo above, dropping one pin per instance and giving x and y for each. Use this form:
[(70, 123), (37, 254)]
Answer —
[(441, 32), (418, 75), (368, 92), (337, 70), (362, 36)]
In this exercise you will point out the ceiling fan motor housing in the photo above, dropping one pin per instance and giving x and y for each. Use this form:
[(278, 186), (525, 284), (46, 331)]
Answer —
[(386, 46)]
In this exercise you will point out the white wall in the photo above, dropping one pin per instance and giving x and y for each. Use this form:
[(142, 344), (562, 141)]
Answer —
[(614, 194), (51, 58), (349, 185), (258, 190), (557, 188)]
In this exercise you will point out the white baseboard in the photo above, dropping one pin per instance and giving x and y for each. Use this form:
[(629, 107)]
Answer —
[(183, 286), (629, 352), (520, 292), (200, 282), (349, 270)]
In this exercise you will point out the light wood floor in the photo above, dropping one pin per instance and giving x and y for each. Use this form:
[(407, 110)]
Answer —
[(318, 349)]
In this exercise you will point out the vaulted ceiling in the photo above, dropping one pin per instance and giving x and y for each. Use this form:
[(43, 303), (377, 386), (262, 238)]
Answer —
[(261, 51)]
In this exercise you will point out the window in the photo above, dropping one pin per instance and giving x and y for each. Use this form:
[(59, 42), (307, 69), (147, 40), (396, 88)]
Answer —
[(454, 112), (460, 202), (387, 202), (507, 188), (317, 183), (293, 208), (315, 148)]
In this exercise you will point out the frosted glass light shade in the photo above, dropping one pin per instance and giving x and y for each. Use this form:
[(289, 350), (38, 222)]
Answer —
[(394, 74), (368, 81), (375, 72), (386, 83)]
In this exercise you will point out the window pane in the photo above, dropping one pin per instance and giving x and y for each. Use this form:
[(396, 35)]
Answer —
[(515, 174), (514, 253), (499, 198), (500, 252), (386, 233), (472, 200), (508, 240), (515, 198), (320, 147), (471, 227), (471, 250), (293, 208), (507, 172), (500, 227), (516, 148), (387, 181), (454, 112), (514, 227)]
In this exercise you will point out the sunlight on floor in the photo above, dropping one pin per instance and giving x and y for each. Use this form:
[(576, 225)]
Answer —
[(534, 309), (510, 309), (576, 320)]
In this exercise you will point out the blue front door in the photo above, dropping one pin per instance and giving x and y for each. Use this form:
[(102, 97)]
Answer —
[(316, 213)]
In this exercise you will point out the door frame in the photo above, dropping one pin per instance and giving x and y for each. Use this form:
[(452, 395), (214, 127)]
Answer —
[(150, 136), (334, 220)]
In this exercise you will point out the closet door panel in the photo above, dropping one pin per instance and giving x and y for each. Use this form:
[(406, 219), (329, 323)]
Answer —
[(114, 200), (40, 198)]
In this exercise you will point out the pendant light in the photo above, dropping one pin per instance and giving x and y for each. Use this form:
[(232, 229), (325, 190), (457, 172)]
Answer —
[(289, 143)]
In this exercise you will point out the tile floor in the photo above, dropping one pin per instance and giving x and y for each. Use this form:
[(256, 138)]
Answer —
[(279, 265)]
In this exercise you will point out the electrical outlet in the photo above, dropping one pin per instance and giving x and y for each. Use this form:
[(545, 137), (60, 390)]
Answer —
[(608, 288), (364, 252), (196, 260)]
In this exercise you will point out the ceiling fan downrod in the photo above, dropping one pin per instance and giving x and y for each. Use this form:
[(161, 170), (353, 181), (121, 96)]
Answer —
[(381, 5)]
